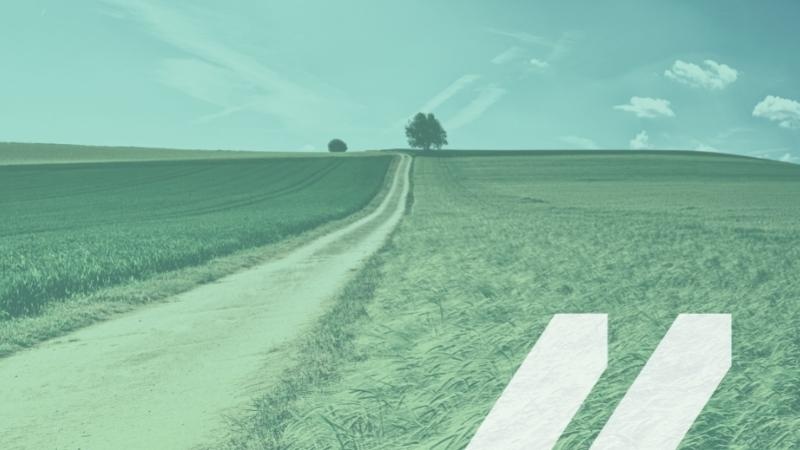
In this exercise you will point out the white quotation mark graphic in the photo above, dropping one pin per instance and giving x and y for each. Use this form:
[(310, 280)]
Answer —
[(569, 358)]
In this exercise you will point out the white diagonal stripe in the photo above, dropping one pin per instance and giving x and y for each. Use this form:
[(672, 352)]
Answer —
[(549, 387), (674, 386)]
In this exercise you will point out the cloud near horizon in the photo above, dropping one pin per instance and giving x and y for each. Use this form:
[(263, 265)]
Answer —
[(579, 142), (714, 76), (647, 107), (788, 157), (778, 109), (701, 147), (641, 141)]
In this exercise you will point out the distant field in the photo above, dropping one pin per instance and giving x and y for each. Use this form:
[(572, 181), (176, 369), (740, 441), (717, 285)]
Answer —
[(14, 153), (417, 351), (74, 228)]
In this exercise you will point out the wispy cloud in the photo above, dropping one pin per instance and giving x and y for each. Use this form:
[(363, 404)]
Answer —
[(714, 75), (647, 107), (508, 55), (307, 148), (778, 109), (198, 79), (217, 72), (563, 45), (554, 48), (701, 147), (579, 142), (539, 64), (520, 59), (449, 92), (220, 114), (788, 157), (641, 141), (112, 13), (440, 98), (523, 37), (472, 111)]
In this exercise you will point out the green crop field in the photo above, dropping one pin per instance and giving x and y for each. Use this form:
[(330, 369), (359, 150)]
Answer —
[(69, 229), (418, 348), (19, 153)]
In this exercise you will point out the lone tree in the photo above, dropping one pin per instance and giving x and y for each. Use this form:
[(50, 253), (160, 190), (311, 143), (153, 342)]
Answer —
[(425, 131), (337, 146)]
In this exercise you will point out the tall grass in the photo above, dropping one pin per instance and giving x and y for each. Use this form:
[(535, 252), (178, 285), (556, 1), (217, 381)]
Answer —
[(495, 246)]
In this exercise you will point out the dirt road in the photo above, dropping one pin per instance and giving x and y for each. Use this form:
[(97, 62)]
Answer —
[(167, 375)]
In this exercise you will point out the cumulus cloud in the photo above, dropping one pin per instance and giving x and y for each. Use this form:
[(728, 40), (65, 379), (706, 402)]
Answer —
[(778, 109), (641, 141), (579, 142), (788, 157), (712, 75), (648, 107)]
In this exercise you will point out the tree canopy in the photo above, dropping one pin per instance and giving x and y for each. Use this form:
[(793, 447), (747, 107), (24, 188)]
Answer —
[(337, 146), (425, 132)]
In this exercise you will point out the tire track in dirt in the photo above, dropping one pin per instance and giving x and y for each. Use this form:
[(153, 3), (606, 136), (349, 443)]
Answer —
[(166, 376)]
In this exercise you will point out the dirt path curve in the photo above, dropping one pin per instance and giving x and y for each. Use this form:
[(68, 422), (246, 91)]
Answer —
[(166, 376)]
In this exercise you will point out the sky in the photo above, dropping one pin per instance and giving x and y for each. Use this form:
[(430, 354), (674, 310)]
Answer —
[(291, 75)]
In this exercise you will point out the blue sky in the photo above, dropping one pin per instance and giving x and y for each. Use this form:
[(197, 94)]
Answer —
[(269, 75)]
